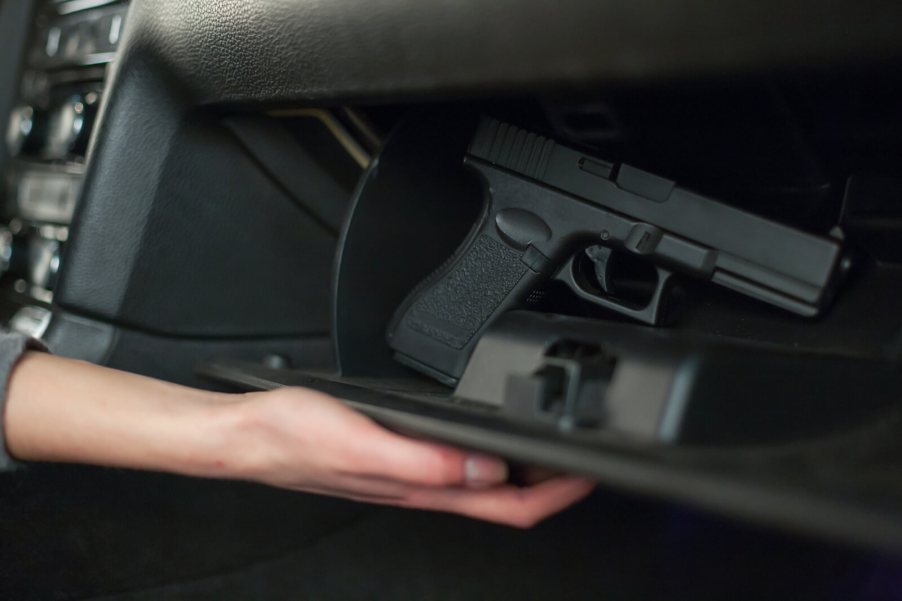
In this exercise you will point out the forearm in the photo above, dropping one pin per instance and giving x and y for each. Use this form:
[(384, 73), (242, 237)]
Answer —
[(69, 411)]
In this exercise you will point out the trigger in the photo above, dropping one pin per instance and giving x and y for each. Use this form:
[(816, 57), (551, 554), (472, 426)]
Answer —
[(601, 258)]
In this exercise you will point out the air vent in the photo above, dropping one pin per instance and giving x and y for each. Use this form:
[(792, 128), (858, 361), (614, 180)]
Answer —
[(67, 7)]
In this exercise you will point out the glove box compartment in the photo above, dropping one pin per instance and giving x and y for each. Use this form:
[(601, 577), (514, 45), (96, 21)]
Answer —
[(733, 405)]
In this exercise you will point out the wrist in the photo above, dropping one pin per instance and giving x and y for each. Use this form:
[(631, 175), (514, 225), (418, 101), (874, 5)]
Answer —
[(228, 445)]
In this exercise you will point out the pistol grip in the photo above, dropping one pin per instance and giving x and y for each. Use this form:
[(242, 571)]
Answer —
[(437, 326)]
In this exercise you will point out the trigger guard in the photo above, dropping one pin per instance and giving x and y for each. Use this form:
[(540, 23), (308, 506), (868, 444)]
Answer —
[(650, 313)]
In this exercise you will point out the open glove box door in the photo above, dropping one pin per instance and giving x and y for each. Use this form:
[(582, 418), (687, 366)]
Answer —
[(735, 406)]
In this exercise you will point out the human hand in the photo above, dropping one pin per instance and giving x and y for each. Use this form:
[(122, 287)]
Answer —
[(308, 441), (58, 409)]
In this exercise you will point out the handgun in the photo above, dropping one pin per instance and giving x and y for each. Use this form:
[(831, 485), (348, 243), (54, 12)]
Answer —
[(548, 208)]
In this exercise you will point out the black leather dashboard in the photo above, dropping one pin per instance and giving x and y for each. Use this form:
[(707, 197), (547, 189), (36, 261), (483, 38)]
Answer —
[(339, 50)]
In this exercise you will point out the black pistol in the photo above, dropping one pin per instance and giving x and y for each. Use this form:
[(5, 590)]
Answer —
[(548, 207)]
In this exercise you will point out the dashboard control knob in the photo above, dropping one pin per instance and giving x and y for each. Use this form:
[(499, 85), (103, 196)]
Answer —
[(26, 130), (13, 253), (6, 249), (70, 126), (43, 262)]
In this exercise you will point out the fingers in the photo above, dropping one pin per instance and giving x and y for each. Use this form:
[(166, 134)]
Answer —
[(520, 507), (323, 446), (510, 505), (350, 443), (388, 455)]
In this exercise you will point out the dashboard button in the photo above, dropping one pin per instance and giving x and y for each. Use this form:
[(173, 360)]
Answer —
[(26, 130), (70, 126)]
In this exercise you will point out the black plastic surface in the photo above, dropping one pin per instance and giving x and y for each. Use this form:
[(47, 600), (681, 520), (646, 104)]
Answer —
[(392, 241), (682, 388), (301, 171), (836, 477), (174, 359), (14, 29), (206, 242), (233, 51)]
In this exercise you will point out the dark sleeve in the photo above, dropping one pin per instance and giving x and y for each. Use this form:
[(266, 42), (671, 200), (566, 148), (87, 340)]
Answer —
[(12, 346)]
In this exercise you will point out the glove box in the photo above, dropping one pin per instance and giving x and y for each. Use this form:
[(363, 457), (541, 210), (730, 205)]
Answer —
[(731, 405)]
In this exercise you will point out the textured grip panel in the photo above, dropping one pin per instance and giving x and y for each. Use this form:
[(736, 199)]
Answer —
[(453, 310)]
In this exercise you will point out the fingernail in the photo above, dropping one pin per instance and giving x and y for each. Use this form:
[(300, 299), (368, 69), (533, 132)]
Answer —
[(481, 471)]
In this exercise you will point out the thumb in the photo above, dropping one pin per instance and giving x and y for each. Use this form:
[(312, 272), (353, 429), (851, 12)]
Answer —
[(397, 457)]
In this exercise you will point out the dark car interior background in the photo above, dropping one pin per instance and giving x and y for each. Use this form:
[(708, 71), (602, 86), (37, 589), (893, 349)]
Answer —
[(244, 195)]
